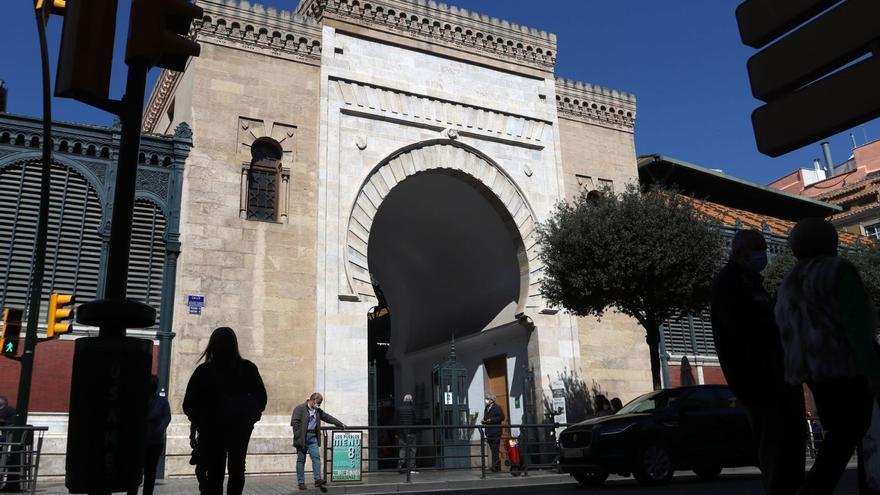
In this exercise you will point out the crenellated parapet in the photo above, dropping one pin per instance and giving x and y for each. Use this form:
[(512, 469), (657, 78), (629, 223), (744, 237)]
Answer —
[(443, 25), (595, 105), (253, 27)]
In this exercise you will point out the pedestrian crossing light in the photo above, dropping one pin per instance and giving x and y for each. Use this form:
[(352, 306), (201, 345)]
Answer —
[(59, 315), (11, 330)]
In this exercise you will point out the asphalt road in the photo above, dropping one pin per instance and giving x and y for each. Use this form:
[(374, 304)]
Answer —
[(726, 484)]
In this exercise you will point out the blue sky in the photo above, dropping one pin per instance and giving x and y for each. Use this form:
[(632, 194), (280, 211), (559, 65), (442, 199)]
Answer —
[(681, 58)]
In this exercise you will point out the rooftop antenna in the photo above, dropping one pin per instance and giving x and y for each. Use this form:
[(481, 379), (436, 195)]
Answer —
[(864, 133), (853, 137)]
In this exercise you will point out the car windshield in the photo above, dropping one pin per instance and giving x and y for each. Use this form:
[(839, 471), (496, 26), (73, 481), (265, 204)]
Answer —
[(650, 402)]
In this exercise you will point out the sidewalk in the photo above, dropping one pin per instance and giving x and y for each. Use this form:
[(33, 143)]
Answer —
[(393, 482), (378, 483)]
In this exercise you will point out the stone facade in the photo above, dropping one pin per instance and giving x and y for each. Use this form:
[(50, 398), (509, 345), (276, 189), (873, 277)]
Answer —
[(596, 139), (359, 97)]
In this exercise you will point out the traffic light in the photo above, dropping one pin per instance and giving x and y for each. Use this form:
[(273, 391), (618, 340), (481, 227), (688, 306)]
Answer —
[(56, 323), (158, 33), (86, 55), (48, 7), (11, 330)]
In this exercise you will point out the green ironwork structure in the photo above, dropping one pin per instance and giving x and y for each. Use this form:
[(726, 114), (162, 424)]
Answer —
[(83, 168), (450, 400)]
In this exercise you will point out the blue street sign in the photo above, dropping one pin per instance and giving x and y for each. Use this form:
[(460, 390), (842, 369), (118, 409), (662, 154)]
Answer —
[(195, 303)]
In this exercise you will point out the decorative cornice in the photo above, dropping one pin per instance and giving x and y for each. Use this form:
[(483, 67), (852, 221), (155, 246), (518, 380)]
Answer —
[(441, 113), (595, 105), (444, 25), (158, 102), (254, 28)]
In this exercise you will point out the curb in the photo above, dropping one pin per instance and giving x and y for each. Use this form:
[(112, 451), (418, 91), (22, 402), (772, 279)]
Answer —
[(451, 485)]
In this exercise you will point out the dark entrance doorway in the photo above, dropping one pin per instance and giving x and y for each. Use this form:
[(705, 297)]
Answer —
[(446, 259), (381, 393)]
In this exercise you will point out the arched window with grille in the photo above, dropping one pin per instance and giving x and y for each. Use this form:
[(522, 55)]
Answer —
[(264, 180), (73, 248), (74, 243)]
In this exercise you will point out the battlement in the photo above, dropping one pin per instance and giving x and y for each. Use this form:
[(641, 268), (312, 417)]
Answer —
[(254, 26), (594, 104), (445, 25)]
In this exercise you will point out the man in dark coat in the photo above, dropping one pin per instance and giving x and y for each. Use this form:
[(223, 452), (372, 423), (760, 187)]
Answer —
[(306, 422), (404, 416), (493, 416), (750, 351)]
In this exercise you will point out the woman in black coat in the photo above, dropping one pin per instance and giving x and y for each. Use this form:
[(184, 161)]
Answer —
[(224, 398)]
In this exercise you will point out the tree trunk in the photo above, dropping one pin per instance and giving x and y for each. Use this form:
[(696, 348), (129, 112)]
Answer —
[(653, 338)]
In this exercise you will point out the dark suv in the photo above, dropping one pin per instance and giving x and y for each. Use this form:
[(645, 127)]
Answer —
[(702, 428)]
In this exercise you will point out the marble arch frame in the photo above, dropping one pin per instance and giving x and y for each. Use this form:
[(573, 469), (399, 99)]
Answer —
[(450, 156)]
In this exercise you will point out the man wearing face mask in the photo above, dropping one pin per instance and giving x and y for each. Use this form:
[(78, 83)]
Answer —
[(493, 416), (306, 423), (750, 351)]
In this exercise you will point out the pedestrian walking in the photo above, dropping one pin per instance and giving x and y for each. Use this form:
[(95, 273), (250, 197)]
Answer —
[(158, 419), (224, 398), (749, 349), (405, 415), (493, 416), (827, 323), (196, 460), (306, 423)]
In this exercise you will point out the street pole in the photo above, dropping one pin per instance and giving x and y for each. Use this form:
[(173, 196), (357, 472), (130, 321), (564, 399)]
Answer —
[(116, 276), (36, 285), (111, 372)]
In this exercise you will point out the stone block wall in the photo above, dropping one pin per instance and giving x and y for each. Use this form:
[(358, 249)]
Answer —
[(257, 277)]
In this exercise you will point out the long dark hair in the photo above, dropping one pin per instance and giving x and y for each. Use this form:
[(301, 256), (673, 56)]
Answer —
[(222, 348)]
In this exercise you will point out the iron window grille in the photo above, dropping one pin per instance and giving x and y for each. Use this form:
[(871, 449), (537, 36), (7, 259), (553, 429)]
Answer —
[(263, 188)]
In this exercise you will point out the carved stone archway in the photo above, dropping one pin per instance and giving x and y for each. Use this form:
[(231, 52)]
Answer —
[(450, 155)]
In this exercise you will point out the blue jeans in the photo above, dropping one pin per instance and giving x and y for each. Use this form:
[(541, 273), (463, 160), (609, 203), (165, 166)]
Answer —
[(312, 447)]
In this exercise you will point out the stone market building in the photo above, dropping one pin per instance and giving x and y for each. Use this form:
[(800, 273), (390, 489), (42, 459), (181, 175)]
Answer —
[(352, 159), (354, 151)]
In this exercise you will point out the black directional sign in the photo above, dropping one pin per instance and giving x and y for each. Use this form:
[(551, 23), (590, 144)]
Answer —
[(807, 78)]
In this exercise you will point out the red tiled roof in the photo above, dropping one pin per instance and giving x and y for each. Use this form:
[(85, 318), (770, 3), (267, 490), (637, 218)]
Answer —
[(748, 220)]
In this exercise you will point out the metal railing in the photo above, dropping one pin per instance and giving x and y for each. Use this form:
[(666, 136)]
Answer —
[(20, 448), (446, 448)]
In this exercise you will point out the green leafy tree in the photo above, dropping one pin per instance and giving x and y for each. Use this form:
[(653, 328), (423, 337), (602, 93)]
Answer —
[(648, 255)]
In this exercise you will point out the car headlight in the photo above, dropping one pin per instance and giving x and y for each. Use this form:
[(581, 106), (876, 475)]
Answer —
[(616, 429)]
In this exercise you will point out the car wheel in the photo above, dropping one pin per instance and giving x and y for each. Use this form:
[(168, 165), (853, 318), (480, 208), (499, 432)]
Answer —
[(590, 478), (653, 466), (708, 472)]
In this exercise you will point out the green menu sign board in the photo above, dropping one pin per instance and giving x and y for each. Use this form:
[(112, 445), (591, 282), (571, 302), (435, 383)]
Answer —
[(347, 455)]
